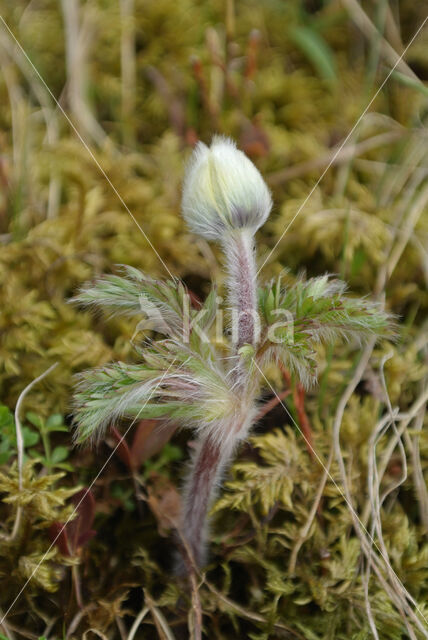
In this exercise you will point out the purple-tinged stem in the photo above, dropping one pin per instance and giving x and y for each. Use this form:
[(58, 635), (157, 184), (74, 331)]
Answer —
[(214, 453), (209, 461), (197, 497), (239, 251)]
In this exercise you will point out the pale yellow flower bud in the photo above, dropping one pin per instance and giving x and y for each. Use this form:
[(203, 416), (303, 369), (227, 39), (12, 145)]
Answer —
[(223, 191)]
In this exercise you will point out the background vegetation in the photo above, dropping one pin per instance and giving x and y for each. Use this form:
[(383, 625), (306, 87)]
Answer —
[(102, 101)]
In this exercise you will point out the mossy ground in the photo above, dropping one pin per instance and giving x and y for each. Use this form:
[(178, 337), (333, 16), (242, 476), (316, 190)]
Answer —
[(288, 81)]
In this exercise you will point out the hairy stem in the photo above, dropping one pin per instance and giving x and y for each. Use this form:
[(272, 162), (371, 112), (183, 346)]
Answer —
[(209, 461), (214, 452), (240, 258)]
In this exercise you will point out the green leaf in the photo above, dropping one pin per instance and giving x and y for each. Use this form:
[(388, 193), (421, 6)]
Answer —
[(247, 351), (65, 466), (210, 308), (55, 422), (358, 261), (269, 303), (34, 419), (30, 437), (6, 418), (5, 456), (412, 83), (62, 428), (171, 452), (59, 454), (316, 50), (36, 455)]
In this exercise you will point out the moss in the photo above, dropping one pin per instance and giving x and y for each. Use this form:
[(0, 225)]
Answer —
[(199, 72)]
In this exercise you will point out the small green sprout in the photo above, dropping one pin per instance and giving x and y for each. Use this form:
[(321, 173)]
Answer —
[(36, 433)]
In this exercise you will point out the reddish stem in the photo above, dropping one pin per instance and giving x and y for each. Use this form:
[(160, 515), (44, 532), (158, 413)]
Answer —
[(299, 403), (271, 404), (252, 50)]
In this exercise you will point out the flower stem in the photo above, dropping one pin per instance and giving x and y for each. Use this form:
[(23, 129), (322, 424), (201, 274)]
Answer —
[(209, 461), (198, 494), (213, 453), (239, 250)]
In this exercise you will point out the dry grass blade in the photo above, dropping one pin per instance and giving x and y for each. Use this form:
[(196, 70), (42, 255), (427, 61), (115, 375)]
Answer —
[(396, 591), (419, 480), (138, 620), (367, 27), (4, 626), (128, 69), (304, 532), (20, 447), (333, 158), (162, 626), (78, 36)]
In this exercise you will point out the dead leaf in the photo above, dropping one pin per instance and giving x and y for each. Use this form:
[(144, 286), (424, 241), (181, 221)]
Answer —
[(164, 501)]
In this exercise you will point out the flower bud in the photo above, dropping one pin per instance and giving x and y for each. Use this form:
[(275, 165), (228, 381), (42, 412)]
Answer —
[(223, 191)]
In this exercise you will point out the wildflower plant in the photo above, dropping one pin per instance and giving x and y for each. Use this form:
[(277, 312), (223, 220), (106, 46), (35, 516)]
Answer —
[(184, 375)]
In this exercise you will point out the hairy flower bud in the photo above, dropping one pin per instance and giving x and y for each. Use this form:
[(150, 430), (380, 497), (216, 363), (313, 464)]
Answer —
[(223, 191)]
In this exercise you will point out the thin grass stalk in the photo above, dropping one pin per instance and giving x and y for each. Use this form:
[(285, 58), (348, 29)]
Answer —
[(40, 93), (20, 447), (418, 476), (76, 48), (128, 68), (393, 587), (370, 31)]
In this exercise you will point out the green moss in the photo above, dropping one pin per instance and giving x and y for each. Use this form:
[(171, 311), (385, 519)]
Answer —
[(62, 224)]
